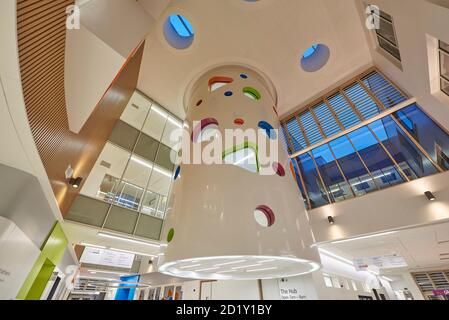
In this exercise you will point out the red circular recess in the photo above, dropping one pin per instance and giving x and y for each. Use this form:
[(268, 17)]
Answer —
[(268, 214), (279, 169), (239, 122), (199, 103)]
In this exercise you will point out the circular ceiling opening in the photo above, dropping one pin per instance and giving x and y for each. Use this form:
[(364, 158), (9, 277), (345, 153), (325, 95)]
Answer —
[(178, 31), (315, 57), (239, 267)]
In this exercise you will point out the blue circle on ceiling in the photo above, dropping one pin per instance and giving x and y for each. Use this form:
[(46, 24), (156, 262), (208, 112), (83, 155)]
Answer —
[(178, 171), (228, 93), (178, 31), (269, 130), (310, 51), (244, 76)]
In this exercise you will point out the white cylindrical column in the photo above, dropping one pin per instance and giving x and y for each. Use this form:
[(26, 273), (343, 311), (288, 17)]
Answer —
[(235, 221)]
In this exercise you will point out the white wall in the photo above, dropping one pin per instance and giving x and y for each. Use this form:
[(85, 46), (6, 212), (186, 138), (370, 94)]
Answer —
[(17, 256), (90, 67), (235, 290)]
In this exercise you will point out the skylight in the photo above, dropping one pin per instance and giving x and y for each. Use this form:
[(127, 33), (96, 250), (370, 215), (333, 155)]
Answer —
[(181, 25), (310, 51)]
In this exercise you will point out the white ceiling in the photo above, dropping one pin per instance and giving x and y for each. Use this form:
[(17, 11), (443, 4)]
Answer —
[(421, 247), (269, 35)]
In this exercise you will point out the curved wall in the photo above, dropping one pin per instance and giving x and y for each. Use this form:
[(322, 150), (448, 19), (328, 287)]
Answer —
[(211, 212)]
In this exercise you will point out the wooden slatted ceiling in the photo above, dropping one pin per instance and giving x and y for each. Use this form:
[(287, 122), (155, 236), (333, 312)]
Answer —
[(41, 28)]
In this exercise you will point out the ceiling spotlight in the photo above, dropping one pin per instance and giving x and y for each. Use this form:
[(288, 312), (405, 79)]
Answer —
[(75, 182), (430, 196), (331, 220)]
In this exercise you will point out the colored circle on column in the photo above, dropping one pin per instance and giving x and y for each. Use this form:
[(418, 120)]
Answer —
[(279, 169), (177, 172), (239, 122), (264, 216), (170, 235)]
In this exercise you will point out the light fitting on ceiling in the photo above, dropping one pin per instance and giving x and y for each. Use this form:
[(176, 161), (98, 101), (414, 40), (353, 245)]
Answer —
[(430, 196), (75, 182)]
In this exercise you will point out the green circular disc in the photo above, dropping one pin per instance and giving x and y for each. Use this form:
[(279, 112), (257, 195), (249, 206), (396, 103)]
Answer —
[(170, 235)]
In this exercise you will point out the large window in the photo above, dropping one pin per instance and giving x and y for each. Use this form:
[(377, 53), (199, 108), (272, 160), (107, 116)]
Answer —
[(444, 67), (361, 99), (401, 146), (386, 35), (134, 172)]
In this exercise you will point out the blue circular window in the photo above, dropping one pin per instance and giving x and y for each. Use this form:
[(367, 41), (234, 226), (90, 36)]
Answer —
[(310, 51), (178, 31), (315, 57), (269, 130), (228, 93)]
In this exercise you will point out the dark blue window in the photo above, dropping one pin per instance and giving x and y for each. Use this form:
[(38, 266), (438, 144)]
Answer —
[(412, 161), (335, 183), (353, 168), (315, 189), (426, 132), (374, 156)]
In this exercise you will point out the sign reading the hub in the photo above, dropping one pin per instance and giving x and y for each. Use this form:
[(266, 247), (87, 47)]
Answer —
[(290, 290), (106, 257)]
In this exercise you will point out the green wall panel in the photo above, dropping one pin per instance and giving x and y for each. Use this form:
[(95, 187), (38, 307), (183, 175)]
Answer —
[(51, 254)]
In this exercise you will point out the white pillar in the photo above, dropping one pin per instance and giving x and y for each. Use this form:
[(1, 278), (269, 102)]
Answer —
[(211, 219)]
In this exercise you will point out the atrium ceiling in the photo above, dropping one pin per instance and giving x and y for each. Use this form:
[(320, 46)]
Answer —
[(268, 35)]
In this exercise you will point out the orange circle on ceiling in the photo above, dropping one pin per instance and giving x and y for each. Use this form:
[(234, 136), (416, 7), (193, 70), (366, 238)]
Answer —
[(239, 122)]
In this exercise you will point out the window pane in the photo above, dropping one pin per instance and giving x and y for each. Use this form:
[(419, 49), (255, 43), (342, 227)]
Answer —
[(136, 111), (147, 147), (311, 128), (172, 125), (104, 177), (298, 141), (130, 190), (326, 119), (344, 112), (155, 123), (335, 183), (149, 204), (124, 135), (298, 181), (428, 134), (352, 166), (163, 157), (376, 159), (413, 162), (315, 189), (362, 101), (394, 51), (444, 65), (387, 31), (444, 46), (445, 86), (383, 90)]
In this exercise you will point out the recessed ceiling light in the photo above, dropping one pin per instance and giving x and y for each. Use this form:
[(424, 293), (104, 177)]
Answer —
[(113, 236), (364, 237)]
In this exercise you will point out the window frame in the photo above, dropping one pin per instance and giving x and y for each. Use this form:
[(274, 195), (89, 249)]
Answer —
[(383, 15), (443, 51)]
